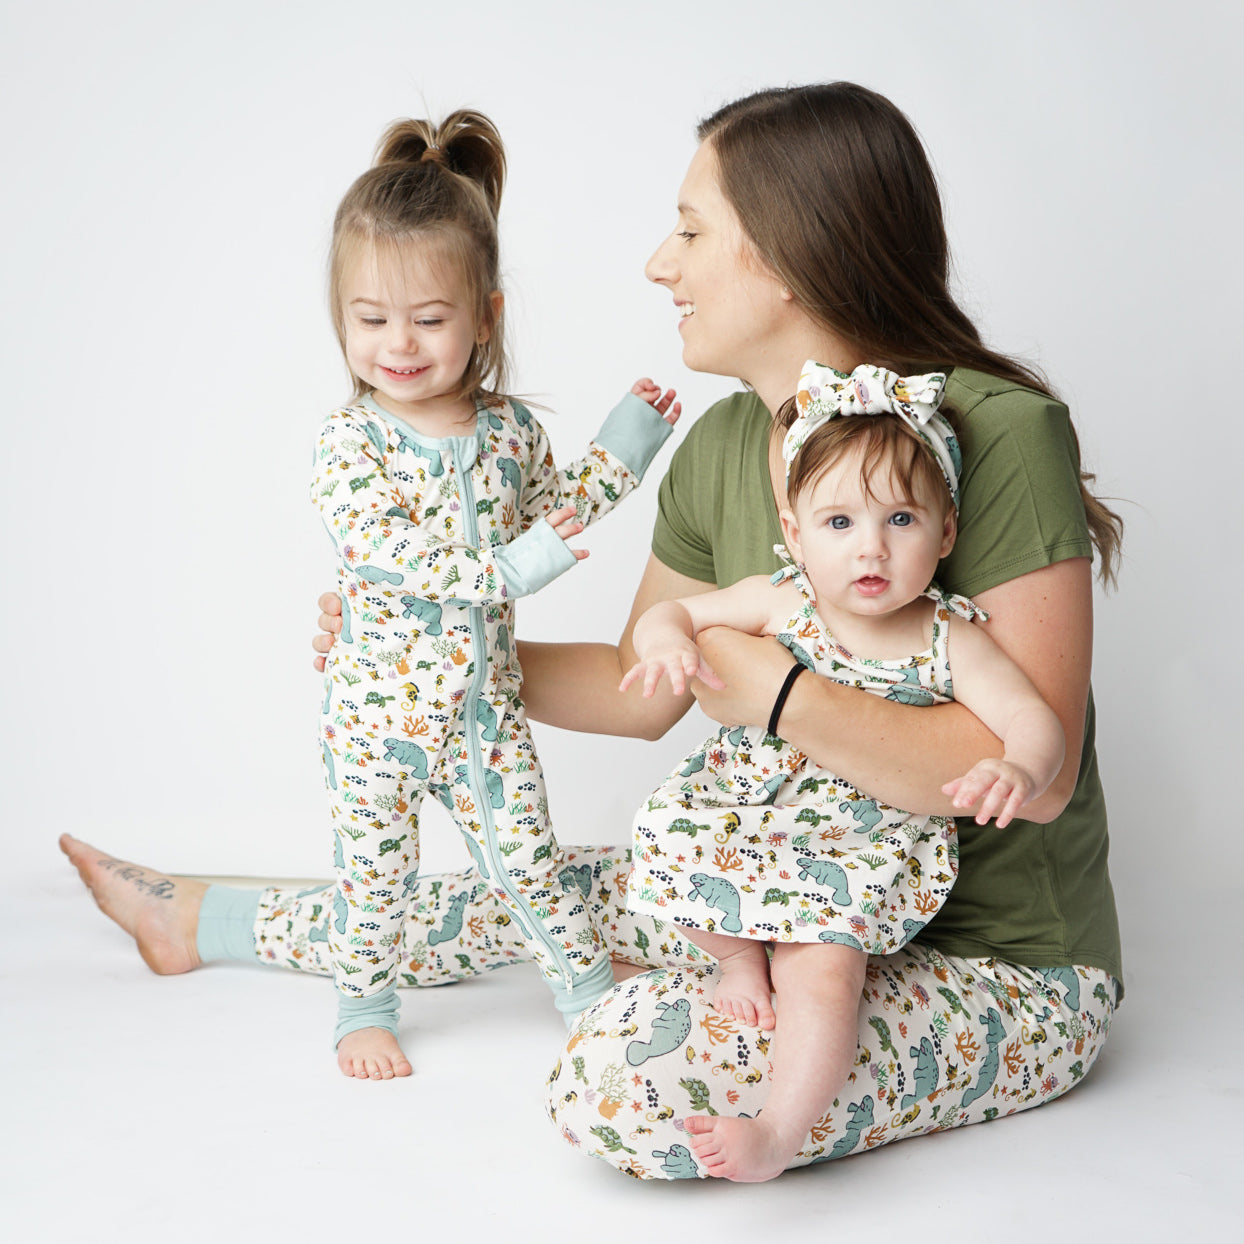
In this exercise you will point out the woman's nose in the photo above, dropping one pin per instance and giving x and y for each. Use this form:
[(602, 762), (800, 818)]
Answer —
[(659, 268)]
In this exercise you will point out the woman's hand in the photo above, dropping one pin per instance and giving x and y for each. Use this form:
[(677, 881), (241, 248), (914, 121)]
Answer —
[(752, 669), (330, 627)]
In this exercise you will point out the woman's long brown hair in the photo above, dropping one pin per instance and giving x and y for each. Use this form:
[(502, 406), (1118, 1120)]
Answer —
[(833, 188)]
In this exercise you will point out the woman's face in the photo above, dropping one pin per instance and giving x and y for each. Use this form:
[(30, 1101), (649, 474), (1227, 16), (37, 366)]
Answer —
[(731, 308)]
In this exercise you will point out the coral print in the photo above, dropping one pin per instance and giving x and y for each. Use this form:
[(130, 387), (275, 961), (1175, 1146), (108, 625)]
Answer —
[(436, 537), (1008, 1037), (750, 837)]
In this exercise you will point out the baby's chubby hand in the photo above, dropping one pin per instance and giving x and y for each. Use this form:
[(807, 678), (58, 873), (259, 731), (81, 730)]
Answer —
[(662, 403), (1004, 788), (679, 663)]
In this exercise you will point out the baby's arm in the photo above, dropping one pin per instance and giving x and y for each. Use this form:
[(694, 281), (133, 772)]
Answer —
[(992, 686), (377, 539), (664, 636), (615, 462)]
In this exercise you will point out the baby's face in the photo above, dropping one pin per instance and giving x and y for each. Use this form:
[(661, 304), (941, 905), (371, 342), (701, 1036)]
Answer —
[(867, 555)]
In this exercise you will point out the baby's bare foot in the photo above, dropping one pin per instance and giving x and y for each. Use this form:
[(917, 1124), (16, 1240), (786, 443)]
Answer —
[(743, 988), (160, 913), (371, 1054), (743, 1150)]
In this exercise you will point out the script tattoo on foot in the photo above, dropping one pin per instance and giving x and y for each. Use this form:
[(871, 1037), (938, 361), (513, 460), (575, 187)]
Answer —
[(137, 877)]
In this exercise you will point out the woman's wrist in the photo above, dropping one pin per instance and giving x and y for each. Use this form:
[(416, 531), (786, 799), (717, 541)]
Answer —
[(779, 702)]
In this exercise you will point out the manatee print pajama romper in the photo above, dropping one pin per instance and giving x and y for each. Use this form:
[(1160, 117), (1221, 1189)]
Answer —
[(751, 838), (436, 538)]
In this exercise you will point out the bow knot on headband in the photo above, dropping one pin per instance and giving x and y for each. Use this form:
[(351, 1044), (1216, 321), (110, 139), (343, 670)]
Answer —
[(826, 394)]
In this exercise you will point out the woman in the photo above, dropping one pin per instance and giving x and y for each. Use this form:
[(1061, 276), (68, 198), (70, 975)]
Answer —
[(809, 228)]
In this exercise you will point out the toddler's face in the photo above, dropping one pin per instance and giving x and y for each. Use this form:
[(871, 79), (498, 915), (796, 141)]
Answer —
[(409, 331), (867, 555)]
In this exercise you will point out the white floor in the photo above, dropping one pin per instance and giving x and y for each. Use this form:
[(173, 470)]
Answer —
[(207, 1107)]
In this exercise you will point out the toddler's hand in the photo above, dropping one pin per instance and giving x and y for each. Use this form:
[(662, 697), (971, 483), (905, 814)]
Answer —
[(679, 664), (1003, 786), (662, 403), (566, 524)]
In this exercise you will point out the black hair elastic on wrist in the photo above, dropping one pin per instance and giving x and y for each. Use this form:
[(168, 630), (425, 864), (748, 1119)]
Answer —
[(780, 703)]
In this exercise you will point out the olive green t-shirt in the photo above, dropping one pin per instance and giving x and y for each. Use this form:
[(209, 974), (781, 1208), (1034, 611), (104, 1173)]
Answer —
[(1030, 894)]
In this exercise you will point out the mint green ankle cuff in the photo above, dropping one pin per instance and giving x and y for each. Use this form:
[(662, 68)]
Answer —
[(377, 1010), (227, 924)]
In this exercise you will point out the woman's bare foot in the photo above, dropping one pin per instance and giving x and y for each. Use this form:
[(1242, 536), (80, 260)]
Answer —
[(160, 913), (371, 1054), (743, 986), (743, 1150)]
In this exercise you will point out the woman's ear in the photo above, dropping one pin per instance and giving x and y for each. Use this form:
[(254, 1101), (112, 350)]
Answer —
[(790, 533), (496, 303)]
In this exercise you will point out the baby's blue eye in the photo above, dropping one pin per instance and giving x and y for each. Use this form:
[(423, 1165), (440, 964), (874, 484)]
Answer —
[(840, 522), (902, 519), (428, 323)]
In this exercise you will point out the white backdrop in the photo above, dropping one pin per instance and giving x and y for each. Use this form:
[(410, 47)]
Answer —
[(169, 175), (171, 171)]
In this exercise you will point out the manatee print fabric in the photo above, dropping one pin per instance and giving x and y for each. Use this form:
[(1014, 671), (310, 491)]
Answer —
[(422, 689), (942, 1042), (750, 838), (456, 926)]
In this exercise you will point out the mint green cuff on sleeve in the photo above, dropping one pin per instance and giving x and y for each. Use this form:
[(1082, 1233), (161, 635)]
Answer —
[(227, 924), (377, 1010), (532, 561), (633, 432)]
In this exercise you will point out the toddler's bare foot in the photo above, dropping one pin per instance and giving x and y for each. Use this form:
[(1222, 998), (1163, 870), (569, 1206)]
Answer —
[(743, 987), (743, 1150), (371, 1054), (160, 913)]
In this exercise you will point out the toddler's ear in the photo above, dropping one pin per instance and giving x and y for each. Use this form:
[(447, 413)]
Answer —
[(790, 533), (496, 304)]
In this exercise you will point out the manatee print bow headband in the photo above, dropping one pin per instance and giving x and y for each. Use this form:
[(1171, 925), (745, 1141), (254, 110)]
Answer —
[(825, 394)]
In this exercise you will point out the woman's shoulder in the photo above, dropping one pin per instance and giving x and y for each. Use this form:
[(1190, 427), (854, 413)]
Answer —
[(726, 428), (977, 397), (989, 414)]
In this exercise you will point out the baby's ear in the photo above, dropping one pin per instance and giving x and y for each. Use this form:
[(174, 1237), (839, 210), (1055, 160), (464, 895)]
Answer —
[(790, 533), (950, 529)]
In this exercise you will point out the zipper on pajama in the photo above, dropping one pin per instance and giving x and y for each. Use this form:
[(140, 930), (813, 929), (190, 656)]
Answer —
[(475, 764)]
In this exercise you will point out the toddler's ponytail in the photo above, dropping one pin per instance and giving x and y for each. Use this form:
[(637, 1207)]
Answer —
[(466, 143)]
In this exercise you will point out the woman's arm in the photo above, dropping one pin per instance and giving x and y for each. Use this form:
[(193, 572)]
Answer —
[(575, 686), (903, 754)]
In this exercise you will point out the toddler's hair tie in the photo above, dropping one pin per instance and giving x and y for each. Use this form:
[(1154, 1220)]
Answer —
[(826, 394), (432, 155)]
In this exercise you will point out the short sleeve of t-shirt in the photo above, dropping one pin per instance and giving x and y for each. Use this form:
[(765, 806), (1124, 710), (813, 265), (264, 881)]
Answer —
[(716, 517), (681, 538), (1020, 502)]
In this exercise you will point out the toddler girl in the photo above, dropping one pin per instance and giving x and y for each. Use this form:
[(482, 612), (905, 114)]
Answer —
[(444, 505), (750, 842)]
